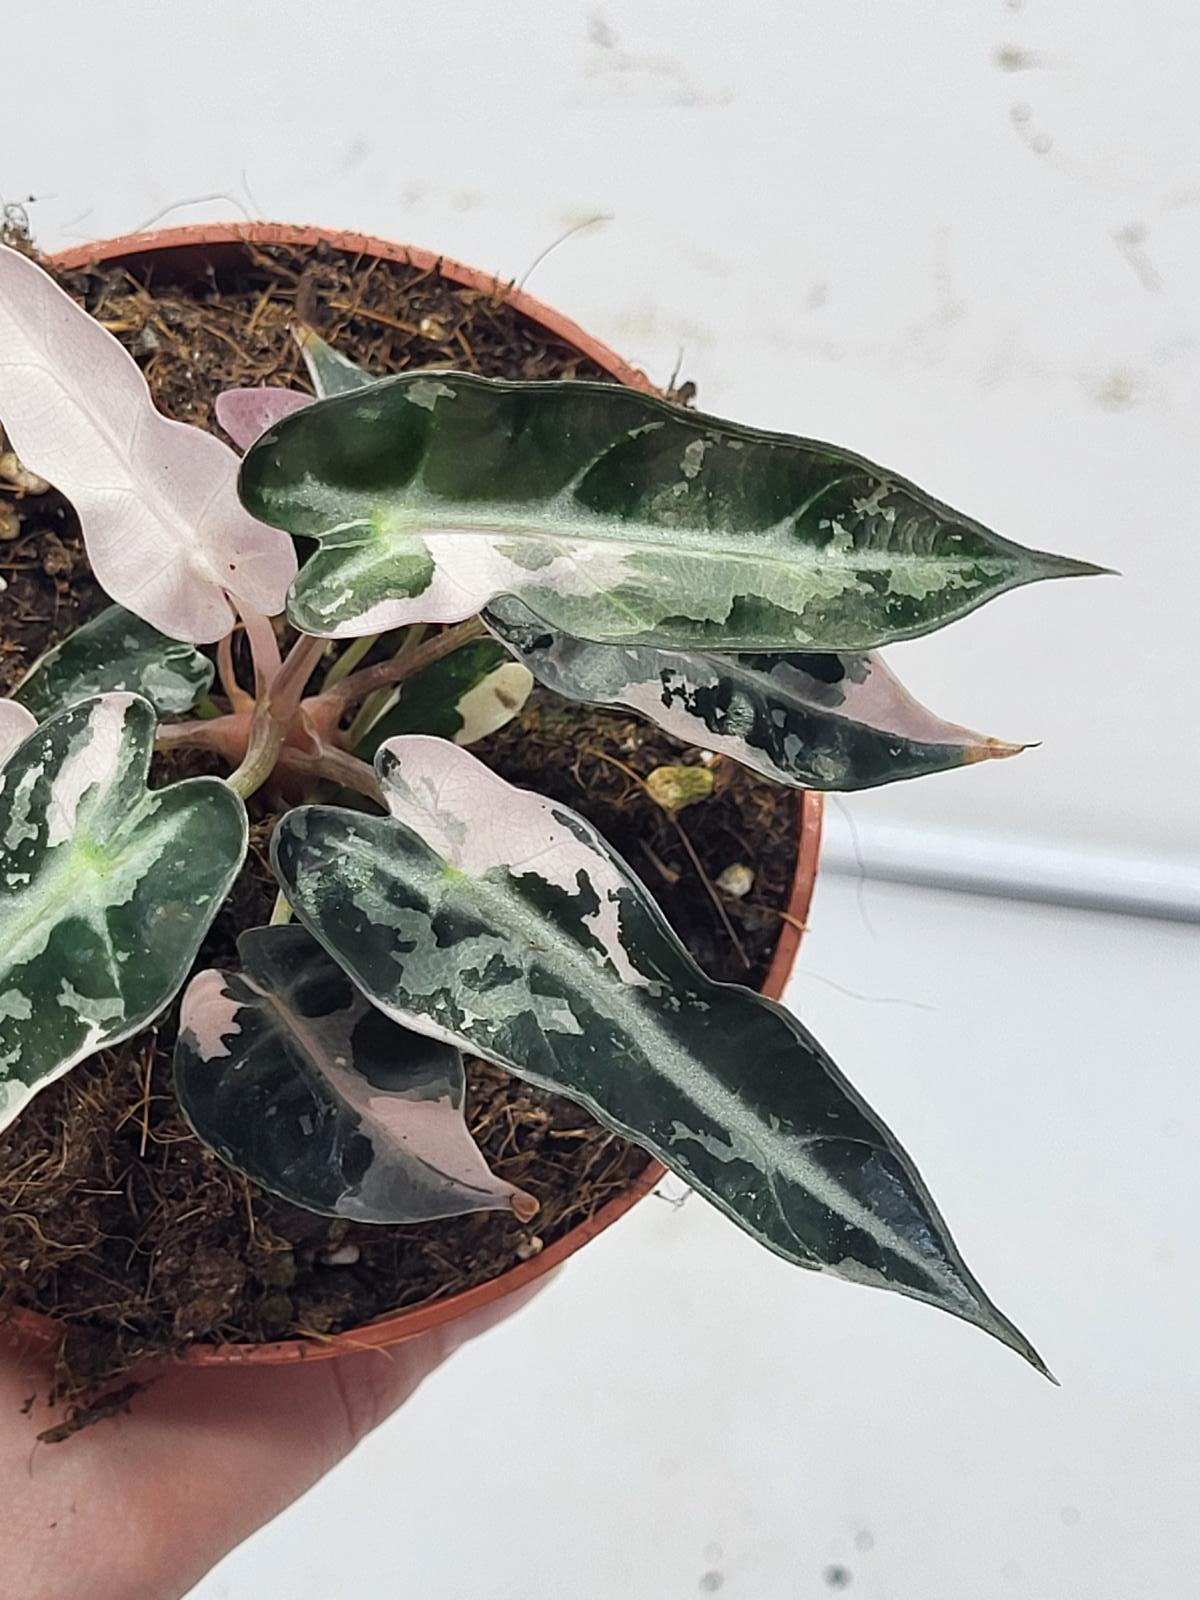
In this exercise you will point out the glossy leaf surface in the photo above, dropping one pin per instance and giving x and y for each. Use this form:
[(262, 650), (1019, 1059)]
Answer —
[(809, 720), (294, 1079), (106, 888), (499, 921), (116, 651), (614, 516), (463, 697), (156, 499)]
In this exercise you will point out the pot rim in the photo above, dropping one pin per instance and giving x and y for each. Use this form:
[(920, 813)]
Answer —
[(395, 1327)]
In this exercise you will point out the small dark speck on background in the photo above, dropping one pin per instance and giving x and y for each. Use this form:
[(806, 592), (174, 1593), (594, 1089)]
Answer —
[(838, 1577), (1012, 58), (711, 1582)]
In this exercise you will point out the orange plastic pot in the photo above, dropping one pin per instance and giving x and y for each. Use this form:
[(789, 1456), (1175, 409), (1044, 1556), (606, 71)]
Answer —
[(176, 248)]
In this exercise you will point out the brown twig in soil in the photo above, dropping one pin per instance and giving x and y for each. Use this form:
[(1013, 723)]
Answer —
[(460, 340), (376, 316)]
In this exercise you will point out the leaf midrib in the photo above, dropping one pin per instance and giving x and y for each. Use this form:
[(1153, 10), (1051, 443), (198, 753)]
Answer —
[(507, 909)]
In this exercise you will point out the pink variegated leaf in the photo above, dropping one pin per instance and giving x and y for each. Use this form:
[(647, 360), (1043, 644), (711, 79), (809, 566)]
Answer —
[(157, 499), (245, 414), (291, 1077)]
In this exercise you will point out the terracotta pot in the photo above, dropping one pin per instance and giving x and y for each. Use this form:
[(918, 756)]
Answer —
[(176, 247)]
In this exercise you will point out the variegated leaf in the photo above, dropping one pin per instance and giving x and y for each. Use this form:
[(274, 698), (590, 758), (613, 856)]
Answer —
[(16, 724), (294, 1079), (499, 921), (116, 651), (329, 370), (614, 516), (246, 413), (156, 499), (106, 888), (811, 721), (464, 697)]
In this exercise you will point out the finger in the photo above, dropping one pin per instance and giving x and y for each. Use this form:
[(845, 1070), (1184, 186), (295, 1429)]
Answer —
[(206, 1456)]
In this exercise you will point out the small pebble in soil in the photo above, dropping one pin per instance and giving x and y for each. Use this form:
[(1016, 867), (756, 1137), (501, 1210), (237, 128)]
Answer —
[(341, 1255), (736, 881), (676, 788), (528, 1248)]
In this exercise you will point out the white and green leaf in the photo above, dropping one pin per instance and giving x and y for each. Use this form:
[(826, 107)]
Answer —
[(329, 371), (289, 1074), (106, 887), (116, 651), (813, 721), (465, 697), (615, 516), (500, 922)]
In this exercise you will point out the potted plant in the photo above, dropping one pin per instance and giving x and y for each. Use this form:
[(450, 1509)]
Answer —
[(374, 589)]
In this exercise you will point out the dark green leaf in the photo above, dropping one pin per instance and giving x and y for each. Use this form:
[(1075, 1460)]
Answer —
[(288, 1073), (116, 651), (812, 721), (614, 516), (497, 920)]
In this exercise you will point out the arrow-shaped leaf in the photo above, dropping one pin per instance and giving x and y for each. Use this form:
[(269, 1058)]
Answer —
[(465, 696), (106, 888), (499, 921), (156, 499), (288, 1073), (16, 724), (116, 651), (614, 516), (811, 721)]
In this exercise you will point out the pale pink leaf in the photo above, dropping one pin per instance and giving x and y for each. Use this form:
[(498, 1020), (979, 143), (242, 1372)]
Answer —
[(157, 499), (16, 724), (246, 414)]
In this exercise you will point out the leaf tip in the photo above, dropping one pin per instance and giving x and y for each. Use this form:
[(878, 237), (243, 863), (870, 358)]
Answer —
[(995, 750), (1051, 566), (999, 1326), (524, 1206)]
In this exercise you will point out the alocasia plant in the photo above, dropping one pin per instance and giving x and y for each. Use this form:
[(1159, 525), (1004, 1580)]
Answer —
[(468, 536)]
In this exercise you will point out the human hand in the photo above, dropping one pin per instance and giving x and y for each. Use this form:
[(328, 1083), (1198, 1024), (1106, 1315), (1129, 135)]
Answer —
[(141, 1506)]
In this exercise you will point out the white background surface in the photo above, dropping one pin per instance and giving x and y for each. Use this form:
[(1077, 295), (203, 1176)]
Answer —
[(680, 1403), (963, 238), (855, 221)]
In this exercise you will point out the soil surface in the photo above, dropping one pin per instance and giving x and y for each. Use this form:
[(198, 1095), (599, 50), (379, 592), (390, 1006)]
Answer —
[(112, 1216)]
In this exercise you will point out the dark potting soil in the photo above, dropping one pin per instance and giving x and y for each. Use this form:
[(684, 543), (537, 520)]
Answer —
[(113, 1217)]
